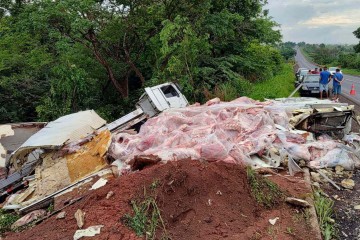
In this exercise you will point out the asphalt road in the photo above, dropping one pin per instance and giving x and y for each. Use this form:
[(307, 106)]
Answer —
[(348, 79)]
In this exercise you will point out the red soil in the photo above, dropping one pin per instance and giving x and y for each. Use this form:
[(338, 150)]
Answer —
[(198, 200)]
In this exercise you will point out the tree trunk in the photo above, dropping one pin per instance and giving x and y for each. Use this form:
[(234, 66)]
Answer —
[(133, 67), (121, 88)]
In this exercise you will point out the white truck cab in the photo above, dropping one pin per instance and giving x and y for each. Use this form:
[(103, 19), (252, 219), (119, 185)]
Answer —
[(155, 100)]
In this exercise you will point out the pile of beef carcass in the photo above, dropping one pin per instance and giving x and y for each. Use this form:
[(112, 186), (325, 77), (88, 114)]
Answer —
[(245, 131)]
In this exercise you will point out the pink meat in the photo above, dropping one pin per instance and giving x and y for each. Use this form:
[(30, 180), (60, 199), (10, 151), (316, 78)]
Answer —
[(217, 131), (213, 151)]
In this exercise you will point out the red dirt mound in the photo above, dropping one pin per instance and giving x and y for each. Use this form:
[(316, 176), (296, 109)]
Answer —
[(198, 200)]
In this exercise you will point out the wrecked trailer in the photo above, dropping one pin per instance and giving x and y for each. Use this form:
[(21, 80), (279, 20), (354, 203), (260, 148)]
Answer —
[(53, 136), (73, 148), (56, 134)]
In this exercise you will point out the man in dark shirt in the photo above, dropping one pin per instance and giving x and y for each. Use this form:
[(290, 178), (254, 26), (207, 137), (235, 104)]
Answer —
[(324, 81), (338, 78)]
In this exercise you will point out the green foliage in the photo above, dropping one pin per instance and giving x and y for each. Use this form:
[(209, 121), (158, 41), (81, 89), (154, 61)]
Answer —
[(334, 55), (59, 57), (69, 92), (357, 35), (147, 217), (263, 190), (24, 69), (6, 220), (324, 211), (322, 54), (50, 208), (279, 86), (287, 50)]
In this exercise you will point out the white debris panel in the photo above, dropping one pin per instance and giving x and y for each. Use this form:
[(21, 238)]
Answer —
[(63, 130), (241, 132), (5, 130)]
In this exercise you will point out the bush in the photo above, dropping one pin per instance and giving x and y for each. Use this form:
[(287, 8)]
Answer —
[(6, 220)]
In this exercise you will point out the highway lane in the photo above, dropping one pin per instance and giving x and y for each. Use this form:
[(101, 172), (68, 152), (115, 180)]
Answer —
[(348, 79)]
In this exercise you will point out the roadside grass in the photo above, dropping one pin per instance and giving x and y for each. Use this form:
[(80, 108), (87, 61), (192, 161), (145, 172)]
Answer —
[(272, 232), (279, 86), (263, 190), (324, 211), (6, 220), (350, 71), (146, 219)]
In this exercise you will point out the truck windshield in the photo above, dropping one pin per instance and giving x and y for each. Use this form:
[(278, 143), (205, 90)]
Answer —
[(169, 91)]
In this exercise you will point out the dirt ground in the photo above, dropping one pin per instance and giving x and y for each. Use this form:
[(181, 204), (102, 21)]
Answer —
[(197, 200), (346, 216)]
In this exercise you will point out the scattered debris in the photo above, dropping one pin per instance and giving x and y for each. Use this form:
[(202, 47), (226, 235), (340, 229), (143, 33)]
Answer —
[(273, 221), (28, 218), (99, 183), (339, 170), (315, 177), (329, 180), (348, 183), (61, 215), (297, 202), (109, 194), (88, 232), (80, 218), (357, 207)]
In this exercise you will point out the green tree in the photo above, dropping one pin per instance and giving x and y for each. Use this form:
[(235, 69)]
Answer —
[(63, 56), (357, 35)]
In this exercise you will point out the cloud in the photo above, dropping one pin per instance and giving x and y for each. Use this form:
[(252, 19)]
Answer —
[(321, 21), (349, 18)]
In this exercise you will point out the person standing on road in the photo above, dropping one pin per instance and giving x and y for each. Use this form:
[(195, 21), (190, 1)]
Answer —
[(324, 81), (338, 79)]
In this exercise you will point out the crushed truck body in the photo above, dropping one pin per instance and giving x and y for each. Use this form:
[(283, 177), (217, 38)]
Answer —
[(79, 148)]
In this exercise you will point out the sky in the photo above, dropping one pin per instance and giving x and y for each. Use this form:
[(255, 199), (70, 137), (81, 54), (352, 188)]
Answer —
[(317, 21)]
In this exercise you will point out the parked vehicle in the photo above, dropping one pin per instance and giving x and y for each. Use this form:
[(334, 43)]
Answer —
[(297, 74), (302, 74), (310, 85), (332, 70)]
